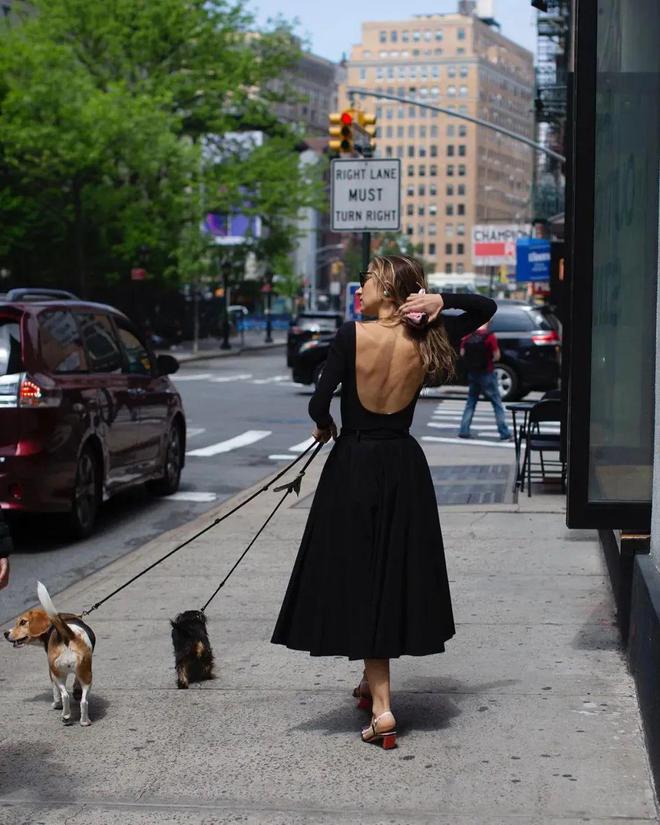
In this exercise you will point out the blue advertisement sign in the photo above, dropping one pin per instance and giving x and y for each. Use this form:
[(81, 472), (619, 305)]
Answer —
[(352, 302), (532, 259)]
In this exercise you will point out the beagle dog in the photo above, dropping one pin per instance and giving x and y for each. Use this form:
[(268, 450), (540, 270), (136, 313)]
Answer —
[(69, 644)]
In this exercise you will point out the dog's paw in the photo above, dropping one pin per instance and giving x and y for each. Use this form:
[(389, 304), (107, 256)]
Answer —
[(182, 685), (85, 724), (56, 705), (66, 720)]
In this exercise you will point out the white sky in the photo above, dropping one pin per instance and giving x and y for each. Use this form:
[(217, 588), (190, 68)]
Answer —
[(333, 26)]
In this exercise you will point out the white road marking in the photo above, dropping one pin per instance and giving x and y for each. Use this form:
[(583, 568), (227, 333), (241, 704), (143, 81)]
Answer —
[(272, 379), (196, 376), (469, 442), (191, 432), (299, 448), (282, 457), (223, 379), (200, 498), (242, 440)]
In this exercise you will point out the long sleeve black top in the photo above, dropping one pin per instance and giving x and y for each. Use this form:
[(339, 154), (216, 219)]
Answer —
[(340, 367)]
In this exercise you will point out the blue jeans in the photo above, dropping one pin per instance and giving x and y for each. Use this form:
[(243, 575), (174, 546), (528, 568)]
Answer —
[(486, 383)]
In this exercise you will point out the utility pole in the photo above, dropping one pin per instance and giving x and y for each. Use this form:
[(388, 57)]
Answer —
[(226, 269)]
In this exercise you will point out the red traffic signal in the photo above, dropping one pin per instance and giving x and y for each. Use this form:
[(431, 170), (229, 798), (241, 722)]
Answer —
[(346, 117)]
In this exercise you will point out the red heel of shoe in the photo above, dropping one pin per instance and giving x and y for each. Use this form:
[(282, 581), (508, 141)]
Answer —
[(389, 741)]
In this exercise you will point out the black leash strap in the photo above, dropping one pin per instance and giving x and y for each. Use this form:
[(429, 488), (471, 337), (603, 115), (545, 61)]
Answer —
[(289, 487)]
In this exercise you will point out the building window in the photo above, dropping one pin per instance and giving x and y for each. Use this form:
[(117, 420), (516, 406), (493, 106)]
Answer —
[(434, 131), (461, 170), (412, 111), (433, 209), (389, 113), (463, 91), (450, 170), (460, 209), (451, 129), (389, 132), (402, 71), (450, 150), (451, 91), (423, 72), (411, 170), (461, 188), (435, 70), (464, 71), (363, 73), (421, 189), (431, 249), (461, 34), (421, 171), (460, 249), (449, 249), (438, 34), (411, 151), (390, 72), (399, 131), (420, 211), (434, 150), (448, 268), (433, 190), (405, 36), (379, 73), (449, 230), (383, 37), (462, 131), (410, 209), (409, 230), (433, 170), (462, 150), (388, 151), (460, 229), (451, 71), (420, 229), (393, 36), (421, 248), (422, 131), (411, 131), (416, 36), (450, 190), (433, 229), (410, 191), (399, 151), (449, 209), (428, 34), (422, 151)]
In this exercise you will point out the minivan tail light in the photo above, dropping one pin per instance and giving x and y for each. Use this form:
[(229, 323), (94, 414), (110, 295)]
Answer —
[(33, 394), (549, 337)]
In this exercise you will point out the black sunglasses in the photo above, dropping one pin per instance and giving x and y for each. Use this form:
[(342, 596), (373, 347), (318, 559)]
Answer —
[(364, 277)]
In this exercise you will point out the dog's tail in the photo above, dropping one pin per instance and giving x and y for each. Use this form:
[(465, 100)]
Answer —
[(60, 625)]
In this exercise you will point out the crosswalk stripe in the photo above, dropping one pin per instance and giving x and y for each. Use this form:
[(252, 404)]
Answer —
[(469, 442), (222, 379), (298, 448), (273, 379), (282, 457), (197, 376), (242, 440), (199, 498)]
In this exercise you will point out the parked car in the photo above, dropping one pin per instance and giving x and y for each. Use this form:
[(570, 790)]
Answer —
[(310, 326), (529, 344), (86, 409)]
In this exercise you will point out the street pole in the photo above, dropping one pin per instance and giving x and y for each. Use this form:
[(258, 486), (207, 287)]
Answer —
[(366, 250), (492, 279), (225, 308), (269, 292), (195, 315)]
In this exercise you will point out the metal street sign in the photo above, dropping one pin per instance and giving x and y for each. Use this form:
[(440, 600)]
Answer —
[(494, 244), (365, 195)]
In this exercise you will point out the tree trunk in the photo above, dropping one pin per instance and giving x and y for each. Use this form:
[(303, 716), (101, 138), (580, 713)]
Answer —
[(79, 237)]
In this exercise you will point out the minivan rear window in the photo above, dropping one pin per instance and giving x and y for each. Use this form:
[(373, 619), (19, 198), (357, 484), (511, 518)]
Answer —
[(10, 347), (511, 320), (59, 342)]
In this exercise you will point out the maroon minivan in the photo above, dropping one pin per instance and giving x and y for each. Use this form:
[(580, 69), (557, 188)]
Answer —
[(86, 410)]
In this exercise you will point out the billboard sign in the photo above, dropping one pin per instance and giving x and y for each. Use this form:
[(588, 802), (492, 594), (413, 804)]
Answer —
[(494, 244), (365, 195), (532, 259)]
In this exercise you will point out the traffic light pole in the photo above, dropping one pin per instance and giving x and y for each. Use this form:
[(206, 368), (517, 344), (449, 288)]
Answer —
[(366, 250)]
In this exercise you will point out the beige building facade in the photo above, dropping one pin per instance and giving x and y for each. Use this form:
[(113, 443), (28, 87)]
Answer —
[(455, 173)]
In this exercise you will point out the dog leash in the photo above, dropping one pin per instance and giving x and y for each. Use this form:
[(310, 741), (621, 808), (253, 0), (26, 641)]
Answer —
[(291, 486)]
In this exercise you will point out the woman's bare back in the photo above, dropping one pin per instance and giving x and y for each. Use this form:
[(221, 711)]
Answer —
[(388, 368)]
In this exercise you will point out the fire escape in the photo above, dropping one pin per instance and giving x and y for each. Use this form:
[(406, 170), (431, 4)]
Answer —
[(552, 47)]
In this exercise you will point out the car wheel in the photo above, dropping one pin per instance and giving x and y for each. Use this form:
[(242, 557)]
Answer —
[(169, 482), (86, 499), (507, 382)]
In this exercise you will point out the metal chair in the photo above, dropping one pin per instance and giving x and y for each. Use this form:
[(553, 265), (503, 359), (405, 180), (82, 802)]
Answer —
[(538, 441)]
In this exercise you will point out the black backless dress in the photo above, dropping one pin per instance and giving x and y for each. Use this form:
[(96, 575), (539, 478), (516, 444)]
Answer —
[(370, 579)]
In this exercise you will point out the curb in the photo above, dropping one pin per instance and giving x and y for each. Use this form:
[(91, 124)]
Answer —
[(184, 358)]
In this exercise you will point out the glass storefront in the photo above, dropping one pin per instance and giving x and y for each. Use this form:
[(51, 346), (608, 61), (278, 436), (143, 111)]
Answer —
[(625, 251)]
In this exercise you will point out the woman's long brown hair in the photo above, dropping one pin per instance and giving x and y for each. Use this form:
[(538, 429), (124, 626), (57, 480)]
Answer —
[(401, 276)]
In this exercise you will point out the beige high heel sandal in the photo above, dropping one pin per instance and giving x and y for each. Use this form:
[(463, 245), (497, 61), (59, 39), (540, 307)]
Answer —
[(386, 738)]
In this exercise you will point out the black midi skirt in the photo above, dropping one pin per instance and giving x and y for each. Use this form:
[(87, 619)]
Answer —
[(370, 579)]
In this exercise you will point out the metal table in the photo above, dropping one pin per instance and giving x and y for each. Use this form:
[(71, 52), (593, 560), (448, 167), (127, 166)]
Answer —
[(522, 407)]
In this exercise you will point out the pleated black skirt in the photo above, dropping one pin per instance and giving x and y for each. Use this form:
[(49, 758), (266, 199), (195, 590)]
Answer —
[(370, 578)]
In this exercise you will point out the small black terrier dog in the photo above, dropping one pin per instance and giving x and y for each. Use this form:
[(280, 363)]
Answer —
[(193, 655)]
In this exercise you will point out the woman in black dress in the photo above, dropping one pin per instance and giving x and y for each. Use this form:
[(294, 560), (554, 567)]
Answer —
[(370, 580)]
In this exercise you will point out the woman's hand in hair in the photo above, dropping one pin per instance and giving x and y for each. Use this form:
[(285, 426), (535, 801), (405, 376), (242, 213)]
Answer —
[(430, 303), (324, 435)]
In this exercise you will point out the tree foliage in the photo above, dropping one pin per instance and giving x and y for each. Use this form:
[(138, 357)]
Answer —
[(105, 106)]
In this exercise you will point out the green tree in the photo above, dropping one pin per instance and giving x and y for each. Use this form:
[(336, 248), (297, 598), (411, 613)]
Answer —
[(104, 109)]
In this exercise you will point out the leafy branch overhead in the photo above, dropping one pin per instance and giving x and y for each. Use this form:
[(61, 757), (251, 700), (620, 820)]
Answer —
[(105, 106)]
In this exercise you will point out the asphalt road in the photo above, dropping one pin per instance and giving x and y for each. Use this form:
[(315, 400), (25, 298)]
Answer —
[(245, 419)]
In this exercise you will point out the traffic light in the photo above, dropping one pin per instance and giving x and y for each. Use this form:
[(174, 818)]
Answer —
[(341, 132), (368, 124)]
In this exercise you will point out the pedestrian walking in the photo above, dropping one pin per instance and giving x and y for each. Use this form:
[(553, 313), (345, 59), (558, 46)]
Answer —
[(480, 350), (370, 580), (5, 550)]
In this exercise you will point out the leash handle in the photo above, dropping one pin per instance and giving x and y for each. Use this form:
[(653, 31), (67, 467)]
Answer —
[(217, 521)]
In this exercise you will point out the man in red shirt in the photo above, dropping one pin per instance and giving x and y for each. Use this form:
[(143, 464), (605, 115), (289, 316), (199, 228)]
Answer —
[(479, 351)]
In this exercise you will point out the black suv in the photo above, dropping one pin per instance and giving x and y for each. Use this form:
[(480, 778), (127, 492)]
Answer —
[(310, 326), (529, 345)]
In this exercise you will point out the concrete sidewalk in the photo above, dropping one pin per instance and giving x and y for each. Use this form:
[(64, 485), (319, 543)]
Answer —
[(529, 717), (252, 341)]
